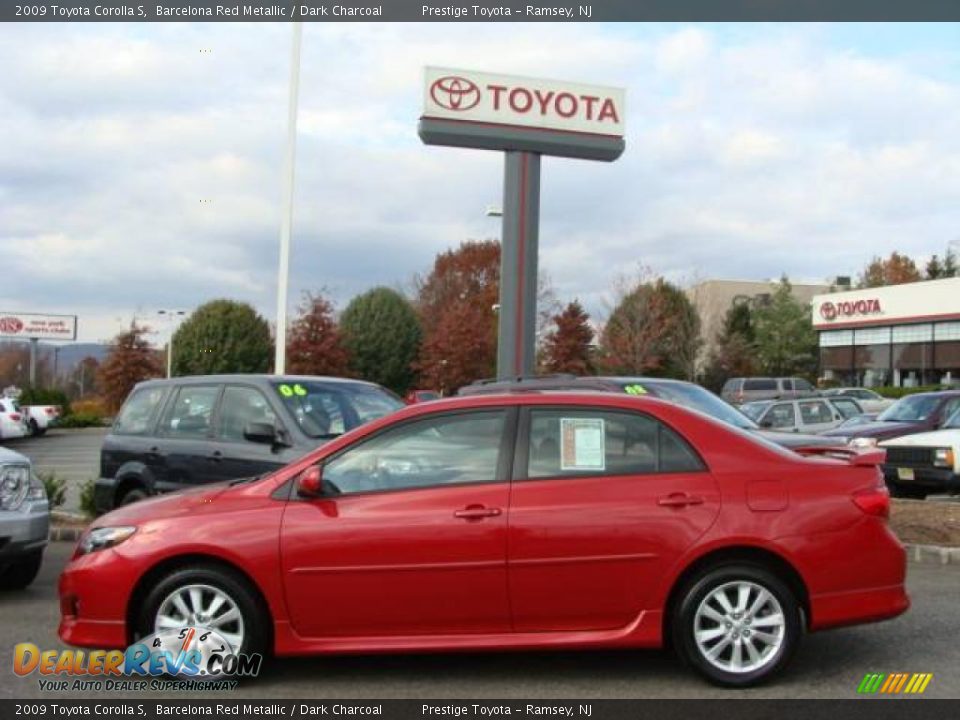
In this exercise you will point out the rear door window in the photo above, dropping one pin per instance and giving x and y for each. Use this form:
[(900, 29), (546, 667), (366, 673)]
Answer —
[(765, 384), (848, 407), (802, 385), (190, 415), (781, 415), (815, 412)]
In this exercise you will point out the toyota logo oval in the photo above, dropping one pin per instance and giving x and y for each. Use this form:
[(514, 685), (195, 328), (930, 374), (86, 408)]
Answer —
[(455, 93), (10, 325), (828, 311)]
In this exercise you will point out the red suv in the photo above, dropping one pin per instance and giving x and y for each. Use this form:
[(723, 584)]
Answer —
[(555, 520)]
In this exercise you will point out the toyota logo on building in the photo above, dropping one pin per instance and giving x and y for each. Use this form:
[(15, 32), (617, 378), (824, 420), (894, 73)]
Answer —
[(455, 93), (828, 311), (10, 325)]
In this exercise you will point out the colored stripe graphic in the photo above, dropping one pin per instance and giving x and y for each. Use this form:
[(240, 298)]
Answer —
[(894, 683)]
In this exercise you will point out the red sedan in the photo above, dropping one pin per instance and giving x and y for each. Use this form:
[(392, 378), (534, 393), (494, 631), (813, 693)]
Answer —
[(506, 522)]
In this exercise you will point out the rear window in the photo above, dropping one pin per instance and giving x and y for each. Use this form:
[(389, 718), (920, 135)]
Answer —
[(801, 384), (730, 386), (760, 384)]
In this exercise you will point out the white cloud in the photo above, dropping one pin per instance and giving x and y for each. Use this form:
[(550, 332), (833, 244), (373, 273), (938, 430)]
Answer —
[(141, 171)]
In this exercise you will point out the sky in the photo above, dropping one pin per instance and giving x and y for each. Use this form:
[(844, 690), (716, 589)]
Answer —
[(140, 165)]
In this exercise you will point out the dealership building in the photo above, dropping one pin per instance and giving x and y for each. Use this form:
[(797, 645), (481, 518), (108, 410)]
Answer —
[(902, 335)]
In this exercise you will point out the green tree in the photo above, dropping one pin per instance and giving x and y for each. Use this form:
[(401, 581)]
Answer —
[(786, 343), (653, 330), (222, 336), (381, 332), (934, 268), (734, 354)]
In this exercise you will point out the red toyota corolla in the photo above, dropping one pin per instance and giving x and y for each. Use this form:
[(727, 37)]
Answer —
[(505, 522)]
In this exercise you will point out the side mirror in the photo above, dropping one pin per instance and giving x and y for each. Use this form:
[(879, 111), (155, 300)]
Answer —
[(766, 423), (310, 482), (260, 432)]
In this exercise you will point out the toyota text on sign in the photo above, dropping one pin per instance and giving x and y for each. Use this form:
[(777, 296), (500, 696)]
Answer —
[(511, 100)]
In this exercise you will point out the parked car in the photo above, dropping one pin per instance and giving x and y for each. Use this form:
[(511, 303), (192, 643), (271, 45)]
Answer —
[(13, 424), (741, 390), (40, 418), (870, 401), (24, 521), (813, 415), (187, 431), (680, 392), (857, 420), (911, 414), (519, 521), (419, 396), (924, 463)]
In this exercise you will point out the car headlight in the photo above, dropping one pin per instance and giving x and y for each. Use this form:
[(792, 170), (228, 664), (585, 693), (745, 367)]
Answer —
[(863, 442), (102, 538), (15, 484), (943, 457)]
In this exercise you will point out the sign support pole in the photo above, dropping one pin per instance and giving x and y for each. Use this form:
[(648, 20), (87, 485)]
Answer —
[(33, 362), (516, 339)]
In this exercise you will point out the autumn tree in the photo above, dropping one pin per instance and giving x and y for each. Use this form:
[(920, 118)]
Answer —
[(83, 378), (455, 302), (381, 333), (786, 343), (653, 330), (567, 348), (734, 354), (130, 360), (222, 336), (894, 270), (314, 343)]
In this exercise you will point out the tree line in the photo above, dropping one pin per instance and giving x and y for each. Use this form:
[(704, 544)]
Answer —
[(443, 334)]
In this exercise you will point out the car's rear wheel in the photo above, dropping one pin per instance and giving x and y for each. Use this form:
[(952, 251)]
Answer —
[(22, 572), (736, 624), (132, 495), (207, 596)]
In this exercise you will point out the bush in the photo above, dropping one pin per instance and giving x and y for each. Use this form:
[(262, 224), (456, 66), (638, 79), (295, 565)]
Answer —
[(896, 393), (45, 396), (93, 405), (87, 505), (56, 488), (81, 420)]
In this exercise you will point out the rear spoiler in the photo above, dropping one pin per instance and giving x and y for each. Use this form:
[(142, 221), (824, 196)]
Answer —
[(854, 456)]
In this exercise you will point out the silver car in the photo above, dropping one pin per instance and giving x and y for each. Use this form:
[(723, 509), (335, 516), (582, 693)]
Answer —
[(812, 415), (24, 521)]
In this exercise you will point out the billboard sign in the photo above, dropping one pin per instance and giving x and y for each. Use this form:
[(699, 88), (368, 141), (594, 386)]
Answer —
[(32, 326), (478, 97)]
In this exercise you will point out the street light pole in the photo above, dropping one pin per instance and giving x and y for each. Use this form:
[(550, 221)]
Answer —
[(286, 220), (170, 315)]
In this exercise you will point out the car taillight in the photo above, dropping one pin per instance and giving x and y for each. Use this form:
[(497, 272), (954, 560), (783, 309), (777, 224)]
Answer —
[(51, 411), (875, 501), (15, 417)]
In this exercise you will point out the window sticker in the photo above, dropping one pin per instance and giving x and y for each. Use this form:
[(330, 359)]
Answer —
[(635, 389), (285, 390), (582, 445), (299, 389)]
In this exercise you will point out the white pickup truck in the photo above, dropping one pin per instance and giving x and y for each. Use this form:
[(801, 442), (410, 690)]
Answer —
[(40, 417), (926, 463)]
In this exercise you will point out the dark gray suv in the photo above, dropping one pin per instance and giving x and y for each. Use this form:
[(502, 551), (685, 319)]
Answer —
[(186, 431)]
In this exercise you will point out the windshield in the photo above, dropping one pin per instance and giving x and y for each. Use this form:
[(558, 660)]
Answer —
[(695, 397), (913, 408), (328, 409), (754, 410), (953, 422)]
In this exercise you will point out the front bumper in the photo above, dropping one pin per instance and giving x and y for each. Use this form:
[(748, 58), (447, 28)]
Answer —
[(24, 531), (925, 477), (94, 592)]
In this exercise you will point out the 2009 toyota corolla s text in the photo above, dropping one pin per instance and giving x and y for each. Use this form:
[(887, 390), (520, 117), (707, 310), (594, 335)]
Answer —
[(506, 522)]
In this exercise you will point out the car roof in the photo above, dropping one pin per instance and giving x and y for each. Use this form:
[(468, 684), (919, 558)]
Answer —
[(544, 397), (256, 378)]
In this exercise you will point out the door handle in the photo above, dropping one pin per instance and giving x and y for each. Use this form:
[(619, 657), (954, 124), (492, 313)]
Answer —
[(155, 450), (216, 456), (679, 500), (476, 512)]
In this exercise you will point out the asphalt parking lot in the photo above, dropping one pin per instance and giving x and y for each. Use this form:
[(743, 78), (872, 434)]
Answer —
[(828, 665), (71, 454)]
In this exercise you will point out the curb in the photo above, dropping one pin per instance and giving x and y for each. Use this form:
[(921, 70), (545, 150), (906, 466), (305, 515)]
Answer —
[(936, 554), (65, 534)]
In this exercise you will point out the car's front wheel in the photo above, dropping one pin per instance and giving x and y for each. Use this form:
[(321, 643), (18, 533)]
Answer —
[(736, 624), (207, 596), (22, 572)]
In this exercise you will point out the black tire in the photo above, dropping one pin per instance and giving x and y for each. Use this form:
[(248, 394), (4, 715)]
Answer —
[(134, 494), (256, 617), (684, 623), (34, 428), (20, 573)]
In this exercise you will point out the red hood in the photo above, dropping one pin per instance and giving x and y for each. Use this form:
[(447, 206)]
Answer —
[(183, 502)]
